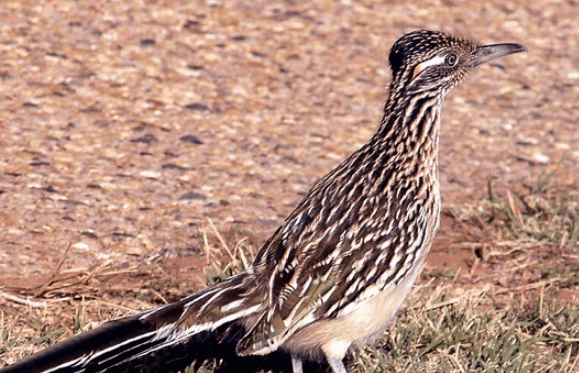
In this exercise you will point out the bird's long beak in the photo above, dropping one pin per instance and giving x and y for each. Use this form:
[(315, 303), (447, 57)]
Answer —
[(486, 53)]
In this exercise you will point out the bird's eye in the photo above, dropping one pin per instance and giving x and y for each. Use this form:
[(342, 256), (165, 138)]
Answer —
[(451, 59)]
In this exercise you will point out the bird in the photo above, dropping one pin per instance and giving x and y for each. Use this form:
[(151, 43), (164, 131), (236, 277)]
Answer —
[(335, 273)]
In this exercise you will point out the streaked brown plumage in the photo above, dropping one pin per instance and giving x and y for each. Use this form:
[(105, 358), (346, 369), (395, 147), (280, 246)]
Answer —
[(337, 270)]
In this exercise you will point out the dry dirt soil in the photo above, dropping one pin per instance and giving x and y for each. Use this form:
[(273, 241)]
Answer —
[(136, 136)]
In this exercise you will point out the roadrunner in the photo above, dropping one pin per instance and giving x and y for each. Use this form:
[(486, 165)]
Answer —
[(337, 270)]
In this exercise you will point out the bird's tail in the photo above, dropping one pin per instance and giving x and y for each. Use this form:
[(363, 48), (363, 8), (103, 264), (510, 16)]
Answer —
[(171, 336)]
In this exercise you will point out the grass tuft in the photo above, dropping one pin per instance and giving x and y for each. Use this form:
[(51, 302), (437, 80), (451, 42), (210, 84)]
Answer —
[(540, 214)]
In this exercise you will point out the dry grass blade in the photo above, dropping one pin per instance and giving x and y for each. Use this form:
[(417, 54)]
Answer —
[(221, 240), (54, 275), (26, 301), (523, 288)]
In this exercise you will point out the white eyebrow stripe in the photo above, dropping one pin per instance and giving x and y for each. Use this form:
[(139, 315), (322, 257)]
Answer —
[(438, 60)]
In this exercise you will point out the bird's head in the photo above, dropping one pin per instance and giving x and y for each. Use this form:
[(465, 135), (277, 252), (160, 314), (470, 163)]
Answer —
[(437, 62)]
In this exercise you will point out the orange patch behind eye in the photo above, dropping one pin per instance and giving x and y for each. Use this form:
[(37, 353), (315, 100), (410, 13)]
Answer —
[(417, 71)]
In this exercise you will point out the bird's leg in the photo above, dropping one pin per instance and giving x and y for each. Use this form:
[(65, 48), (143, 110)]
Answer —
[(336, 364), (297, 366), (335, 351)]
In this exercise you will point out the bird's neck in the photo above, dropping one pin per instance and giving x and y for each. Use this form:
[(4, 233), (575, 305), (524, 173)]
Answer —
[(409, 130)]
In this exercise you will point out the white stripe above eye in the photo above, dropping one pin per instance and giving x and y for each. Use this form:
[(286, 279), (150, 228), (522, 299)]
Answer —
[(437, 60)]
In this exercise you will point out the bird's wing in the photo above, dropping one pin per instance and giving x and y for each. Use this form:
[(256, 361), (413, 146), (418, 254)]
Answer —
[(335, 250)]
